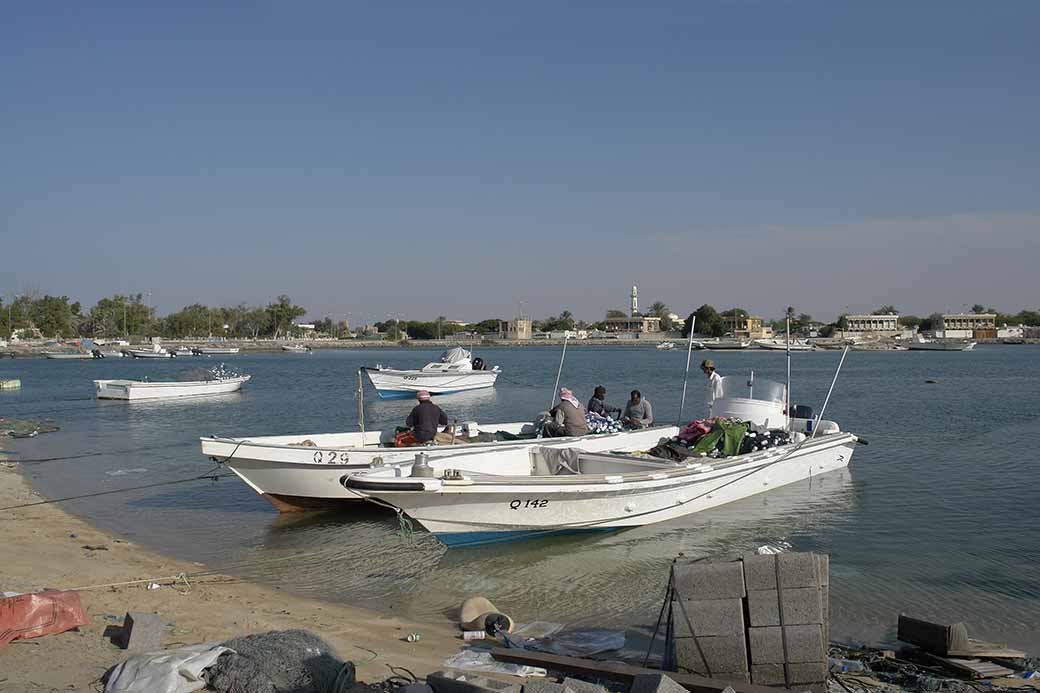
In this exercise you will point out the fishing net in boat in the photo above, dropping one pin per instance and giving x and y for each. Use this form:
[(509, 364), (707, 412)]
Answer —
[(454, 355), (220, 372), (280, 661)]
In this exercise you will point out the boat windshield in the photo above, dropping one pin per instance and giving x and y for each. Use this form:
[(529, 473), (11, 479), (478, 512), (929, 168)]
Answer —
[(752, 388)]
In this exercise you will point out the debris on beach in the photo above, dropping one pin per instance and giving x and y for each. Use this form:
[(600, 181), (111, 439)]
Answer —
[(43, 613), (25, 428)]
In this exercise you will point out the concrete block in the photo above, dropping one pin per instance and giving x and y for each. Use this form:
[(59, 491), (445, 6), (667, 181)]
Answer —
[(759, 571), (798, 570), (452, 682), (708, 617), (823, 562), (804, 673), (655, 683), (704, 581), (804, 644), (544, 686), (802, 606), (708, 655), (734, 676), (763, 608), (579, 686), (766, 645), (142, 632)]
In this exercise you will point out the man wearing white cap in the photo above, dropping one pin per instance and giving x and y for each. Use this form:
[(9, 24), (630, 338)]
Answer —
[(714, 385)]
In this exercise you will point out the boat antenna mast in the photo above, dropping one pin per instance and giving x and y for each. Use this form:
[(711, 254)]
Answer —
[(559, 372), (361, 404), (787, 390), (686, 375)]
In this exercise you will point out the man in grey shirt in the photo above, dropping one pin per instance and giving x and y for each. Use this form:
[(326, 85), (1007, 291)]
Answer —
[(638, 412)]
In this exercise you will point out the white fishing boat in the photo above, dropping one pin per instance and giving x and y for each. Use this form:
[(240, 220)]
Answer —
[(302, 472), (296, 348), (781, 344), (457, 371), (580, 490), (109, 354), (719, 344), (135, 390), (215, 351), (666, 346), (184, 351), (68, 355), (155, 352), (922, 344)]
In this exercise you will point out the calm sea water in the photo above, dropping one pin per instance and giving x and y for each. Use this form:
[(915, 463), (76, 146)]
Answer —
[(937, 517)]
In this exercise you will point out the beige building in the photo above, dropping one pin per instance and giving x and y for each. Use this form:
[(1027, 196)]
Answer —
[(515, 329), (640, 324), (746, 326), (967, 326), (879, 324), (967, 321)]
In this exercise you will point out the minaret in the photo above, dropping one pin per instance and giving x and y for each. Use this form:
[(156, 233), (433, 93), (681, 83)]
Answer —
[(635, 302)]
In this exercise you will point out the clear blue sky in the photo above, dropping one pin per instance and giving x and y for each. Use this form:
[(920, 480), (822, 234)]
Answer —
[(455, 158)]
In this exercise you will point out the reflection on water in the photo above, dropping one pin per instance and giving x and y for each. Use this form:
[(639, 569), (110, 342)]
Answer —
[(934, 517)]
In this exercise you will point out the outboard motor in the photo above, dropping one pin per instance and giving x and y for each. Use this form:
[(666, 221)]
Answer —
[(478, 364), (96, 353)]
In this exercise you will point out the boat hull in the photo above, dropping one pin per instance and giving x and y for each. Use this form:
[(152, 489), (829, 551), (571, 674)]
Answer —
[(487, 510), (296, 477), (68, 357), (941, 346), (395, 384), (132, 390)]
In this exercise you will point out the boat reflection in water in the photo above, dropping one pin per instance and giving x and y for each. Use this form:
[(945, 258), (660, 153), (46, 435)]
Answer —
[(615, 578)]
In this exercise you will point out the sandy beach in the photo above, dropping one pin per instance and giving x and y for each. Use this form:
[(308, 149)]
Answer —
[(44, 547)]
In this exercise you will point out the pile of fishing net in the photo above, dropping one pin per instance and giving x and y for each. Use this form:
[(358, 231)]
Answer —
[(278, 662), (720, 437), (601, 424)]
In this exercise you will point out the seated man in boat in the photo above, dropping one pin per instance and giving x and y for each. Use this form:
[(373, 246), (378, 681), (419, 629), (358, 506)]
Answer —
[(568, 417), (638, 412), (424, 419), (598, 404)]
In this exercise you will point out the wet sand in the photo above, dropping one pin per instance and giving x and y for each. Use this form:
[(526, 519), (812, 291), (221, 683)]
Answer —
[(44, 547)]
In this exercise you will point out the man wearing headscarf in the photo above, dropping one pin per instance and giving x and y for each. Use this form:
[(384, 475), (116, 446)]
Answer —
[(425, 418), (568, 416)]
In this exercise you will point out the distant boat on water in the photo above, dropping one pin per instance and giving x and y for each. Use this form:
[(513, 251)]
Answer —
[(781, 344), (156, 352), (922, 344), (215, 351)]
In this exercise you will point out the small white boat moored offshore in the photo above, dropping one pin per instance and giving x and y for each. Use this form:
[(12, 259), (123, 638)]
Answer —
[(135, 390), (666, 346), (215, 351), (302, 472), (719, 344), (156, 352), (68, 355), (578, 490), (457, 371), (296, 348), (922, 344), (781, 344)]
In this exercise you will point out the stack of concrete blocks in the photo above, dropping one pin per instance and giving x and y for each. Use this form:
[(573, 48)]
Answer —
[(707, 631), (726, 620), (788, 618)]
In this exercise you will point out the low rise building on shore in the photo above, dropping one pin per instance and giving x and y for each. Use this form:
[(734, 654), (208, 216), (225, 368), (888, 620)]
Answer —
[(967, 326), (637, 324), (885, 325)]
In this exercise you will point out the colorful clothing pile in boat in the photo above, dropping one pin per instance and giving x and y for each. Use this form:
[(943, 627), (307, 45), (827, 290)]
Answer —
[(602, 424), (719, 437)]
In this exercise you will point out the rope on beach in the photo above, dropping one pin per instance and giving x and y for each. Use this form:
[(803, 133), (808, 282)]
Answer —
[(80, 456), (207, 475)]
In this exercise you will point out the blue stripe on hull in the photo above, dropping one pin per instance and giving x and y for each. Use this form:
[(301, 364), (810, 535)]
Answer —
[(410, 394), (467, 539)]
